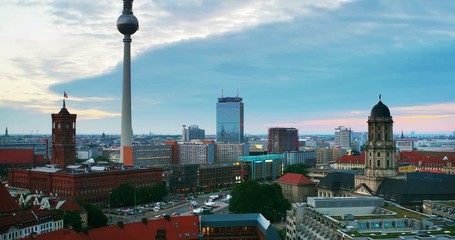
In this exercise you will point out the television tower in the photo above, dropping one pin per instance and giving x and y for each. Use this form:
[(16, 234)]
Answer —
[(127, 25)]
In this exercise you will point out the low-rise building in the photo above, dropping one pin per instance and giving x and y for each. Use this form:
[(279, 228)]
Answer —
[(360, 218), (296, 187), (262, 167)]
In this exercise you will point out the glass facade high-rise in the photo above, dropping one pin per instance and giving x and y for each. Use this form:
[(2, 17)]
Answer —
[(229, 120)]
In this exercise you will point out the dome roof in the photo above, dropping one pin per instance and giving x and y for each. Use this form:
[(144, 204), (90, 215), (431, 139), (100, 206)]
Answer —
[(380, 110)]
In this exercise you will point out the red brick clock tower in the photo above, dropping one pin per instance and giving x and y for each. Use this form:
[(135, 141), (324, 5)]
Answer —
[(63, 137)]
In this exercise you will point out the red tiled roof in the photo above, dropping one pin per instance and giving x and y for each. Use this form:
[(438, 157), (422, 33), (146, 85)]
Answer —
[(71, 205), (353, 159), (16, 156), (182, 227), (294, 178), (8, 205), (427, 158)]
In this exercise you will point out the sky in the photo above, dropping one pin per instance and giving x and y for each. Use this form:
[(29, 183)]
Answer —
[(313, 65)]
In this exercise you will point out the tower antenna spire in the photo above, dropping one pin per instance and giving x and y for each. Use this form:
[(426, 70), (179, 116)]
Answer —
[(379, 97), (237, 92), (222, 93)]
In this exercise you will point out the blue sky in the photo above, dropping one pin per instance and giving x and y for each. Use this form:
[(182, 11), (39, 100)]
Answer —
[(313, 65)]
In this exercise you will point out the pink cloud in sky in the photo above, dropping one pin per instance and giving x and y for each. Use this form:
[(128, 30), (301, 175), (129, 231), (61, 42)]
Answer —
[(437, 118)]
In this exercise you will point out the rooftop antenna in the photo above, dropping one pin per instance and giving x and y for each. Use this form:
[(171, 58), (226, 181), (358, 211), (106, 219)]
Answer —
[(222, 94), (379, 97), (237, 92)]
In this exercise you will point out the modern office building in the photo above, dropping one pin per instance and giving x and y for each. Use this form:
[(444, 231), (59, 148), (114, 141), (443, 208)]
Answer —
[(152, 155), (343, 137), (229, 120), (196, 153), (295, 157), (230, 152), (192, 133), (324, 156), (282, 140), (262, 167), (218, 176), (183, 178)]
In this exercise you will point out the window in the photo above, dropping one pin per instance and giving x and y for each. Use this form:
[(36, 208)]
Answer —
[(378, 163), (388, 163), (379, 136), (379, 154)]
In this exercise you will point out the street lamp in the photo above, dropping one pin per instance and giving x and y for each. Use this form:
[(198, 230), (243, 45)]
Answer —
[(109, 208)]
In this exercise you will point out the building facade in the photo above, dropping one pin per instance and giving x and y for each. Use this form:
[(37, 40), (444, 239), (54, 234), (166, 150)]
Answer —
[(152, 155), (196, 153), (282, 140), (192, 133), (63, 138), (230, 152), (295, 157), (229, 120), (343, 137), (262, 167), (91, 187), (380, 149), (296, 187)]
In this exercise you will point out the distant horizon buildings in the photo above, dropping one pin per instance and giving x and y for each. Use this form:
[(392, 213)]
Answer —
[(229, 120)]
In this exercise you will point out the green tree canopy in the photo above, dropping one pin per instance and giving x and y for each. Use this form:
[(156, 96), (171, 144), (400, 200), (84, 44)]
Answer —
[(125, 195), (71, 218), (252, 197), (95, 216), (299, 168)]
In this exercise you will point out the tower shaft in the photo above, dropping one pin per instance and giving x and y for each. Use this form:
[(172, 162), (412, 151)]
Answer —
[(126, 151)]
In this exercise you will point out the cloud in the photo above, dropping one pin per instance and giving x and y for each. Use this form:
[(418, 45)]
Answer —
[(60, 41)]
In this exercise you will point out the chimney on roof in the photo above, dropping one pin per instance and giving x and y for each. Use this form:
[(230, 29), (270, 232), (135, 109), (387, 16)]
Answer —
[(120, 224), (160, 234), (167, 217), (144, 221)]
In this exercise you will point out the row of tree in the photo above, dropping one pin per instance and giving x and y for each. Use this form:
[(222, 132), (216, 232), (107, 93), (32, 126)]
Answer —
[(127, 195)]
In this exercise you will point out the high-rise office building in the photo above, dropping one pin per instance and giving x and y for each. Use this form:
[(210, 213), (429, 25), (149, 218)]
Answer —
[(229, 120), (343, 137), (192, 133), (283, 140)]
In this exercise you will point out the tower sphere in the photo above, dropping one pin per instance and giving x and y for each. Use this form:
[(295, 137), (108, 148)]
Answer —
[(127, 24)]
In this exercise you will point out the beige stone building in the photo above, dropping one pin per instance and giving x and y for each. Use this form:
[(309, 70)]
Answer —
[(296, 187)]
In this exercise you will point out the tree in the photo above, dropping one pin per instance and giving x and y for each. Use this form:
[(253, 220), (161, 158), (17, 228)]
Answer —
[(125, 194), (122, 196), (71, 218), (299, 168), (252, 197), (95, 216)]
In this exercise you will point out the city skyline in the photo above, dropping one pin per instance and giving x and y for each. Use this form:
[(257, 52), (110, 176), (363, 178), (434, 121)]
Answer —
[(311, 65)]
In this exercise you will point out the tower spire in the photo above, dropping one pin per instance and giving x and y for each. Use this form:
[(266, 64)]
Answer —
[(379, 97)]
